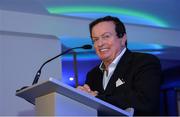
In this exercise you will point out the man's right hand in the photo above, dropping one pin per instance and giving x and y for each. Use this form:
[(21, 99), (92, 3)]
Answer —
[(87, 89)]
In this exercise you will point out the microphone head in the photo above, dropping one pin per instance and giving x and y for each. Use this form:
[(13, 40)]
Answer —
[(87, 46)]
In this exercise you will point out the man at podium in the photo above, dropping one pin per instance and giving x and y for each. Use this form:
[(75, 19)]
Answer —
[(124, 78)]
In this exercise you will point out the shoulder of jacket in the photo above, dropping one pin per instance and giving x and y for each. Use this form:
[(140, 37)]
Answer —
[(138, 56)]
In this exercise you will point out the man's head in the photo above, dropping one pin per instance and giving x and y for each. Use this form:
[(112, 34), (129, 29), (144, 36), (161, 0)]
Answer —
[(109, 37), (119, 26)]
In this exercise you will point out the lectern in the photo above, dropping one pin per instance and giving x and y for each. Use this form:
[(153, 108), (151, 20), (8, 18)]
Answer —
[(54, 98)]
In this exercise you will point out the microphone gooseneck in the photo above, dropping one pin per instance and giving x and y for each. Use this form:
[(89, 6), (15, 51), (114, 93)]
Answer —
[(39, 71), (38, 74)]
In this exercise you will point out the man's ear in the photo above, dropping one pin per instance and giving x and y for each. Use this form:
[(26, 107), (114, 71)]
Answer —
[(124, 39)]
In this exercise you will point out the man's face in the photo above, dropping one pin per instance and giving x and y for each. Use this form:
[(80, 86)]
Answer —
[(106, 42)]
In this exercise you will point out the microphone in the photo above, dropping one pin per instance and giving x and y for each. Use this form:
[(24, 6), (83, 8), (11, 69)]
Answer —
[(39, 71), (87, 46), (38, 74)]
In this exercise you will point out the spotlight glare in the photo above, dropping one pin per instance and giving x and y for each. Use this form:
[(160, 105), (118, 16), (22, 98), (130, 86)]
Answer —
[(71, 78)]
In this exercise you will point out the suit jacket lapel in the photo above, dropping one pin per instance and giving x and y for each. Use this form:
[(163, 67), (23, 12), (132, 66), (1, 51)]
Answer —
[(119, 72), (100, 76)]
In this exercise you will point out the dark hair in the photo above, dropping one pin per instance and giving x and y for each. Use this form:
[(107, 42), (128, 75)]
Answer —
[(119, 26)]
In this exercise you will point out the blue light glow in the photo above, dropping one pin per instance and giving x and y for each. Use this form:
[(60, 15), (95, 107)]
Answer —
[(143, 46)]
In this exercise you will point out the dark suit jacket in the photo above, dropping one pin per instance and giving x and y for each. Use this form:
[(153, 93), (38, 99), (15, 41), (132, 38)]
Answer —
[(141, 90)]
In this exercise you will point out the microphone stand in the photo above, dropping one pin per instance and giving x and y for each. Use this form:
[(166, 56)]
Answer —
[(75, 69)]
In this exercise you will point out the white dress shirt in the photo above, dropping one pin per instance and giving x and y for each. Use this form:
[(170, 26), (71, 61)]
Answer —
[(107, 74)]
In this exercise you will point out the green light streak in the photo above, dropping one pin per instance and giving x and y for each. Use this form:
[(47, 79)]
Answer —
[(107, 10)]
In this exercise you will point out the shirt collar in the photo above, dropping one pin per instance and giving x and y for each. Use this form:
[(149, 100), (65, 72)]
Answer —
[(115, 61)]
